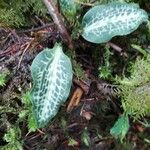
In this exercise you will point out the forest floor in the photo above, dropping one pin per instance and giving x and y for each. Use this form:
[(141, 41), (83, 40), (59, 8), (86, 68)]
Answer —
[(82, 126)]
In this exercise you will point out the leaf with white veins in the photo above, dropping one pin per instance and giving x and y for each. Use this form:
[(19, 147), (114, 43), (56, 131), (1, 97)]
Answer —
[(52, 78), (103, 22)]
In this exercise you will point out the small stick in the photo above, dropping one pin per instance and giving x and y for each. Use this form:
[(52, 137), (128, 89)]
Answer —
[(115, 47), (28, 45), (57, 18), (37, 29)]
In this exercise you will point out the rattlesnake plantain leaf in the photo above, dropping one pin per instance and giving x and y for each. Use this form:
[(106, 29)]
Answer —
[(103, 22), (52, 78)]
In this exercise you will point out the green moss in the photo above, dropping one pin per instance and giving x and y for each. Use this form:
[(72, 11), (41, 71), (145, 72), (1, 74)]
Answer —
[(135, 93), (3, 77), (77, 67), (105, 69), (13, 137), (26, 113), (13, 13)]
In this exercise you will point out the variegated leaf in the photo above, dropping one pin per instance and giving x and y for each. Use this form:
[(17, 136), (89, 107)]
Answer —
[(103, 22), (52, 78)]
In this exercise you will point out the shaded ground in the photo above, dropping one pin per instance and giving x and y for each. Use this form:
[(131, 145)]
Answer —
[(88, 125)]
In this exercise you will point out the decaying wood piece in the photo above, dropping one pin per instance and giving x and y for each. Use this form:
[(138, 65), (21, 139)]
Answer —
[(57, 18), (75, 99)]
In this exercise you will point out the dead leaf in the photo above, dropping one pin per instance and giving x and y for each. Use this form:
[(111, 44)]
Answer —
[(86, 110), (87, 115), (75, 99), (139, 128)]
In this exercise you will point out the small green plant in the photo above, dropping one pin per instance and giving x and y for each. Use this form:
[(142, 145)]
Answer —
[(13, 131), (52, 69), (105, 69), (121, 127), (69, 8), (135, 95), (2, 79), (136, 89), (13, 137), (26, 113), (85, 137)]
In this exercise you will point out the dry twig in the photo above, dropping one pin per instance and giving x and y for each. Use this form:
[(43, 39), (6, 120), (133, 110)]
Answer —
[(37, 29), (115, 47), (57, 18), (26, 48)]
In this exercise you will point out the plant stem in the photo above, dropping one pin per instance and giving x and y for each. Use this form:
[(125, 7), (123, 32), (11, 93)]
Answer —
[(57, 18)]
